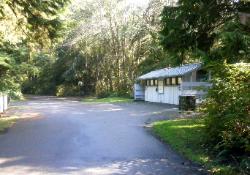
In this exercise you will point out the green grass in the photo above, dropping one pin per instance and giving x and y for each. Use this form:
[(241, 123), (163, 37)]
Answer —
[(186, 137), (6, 122), (108, 100)]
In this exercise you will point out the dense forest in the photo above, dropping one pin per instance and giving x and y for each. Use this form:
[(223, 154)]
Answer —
[(99, 47)]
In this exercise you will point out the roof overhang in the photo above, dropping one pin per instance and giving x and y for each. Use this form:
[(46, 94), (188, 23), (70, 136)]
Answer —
[(171, 72)]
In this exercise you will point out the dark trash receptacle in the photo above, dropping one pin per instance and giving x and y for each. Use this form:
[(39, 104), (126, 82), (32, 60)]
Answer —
[(187, 103)]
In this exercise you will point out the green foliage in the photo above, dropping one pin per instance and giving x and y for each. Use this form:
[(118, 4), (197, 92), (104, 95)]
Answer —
[(6, 122), (182, 135), (227, 112), (205, 31), (121, 93), (187, 137), (103, 94), (210, 31), (74, 69), (27, 29), (108, 100), (4, 63), (101, 53), (231, 45), (193, 23), (67, 90), (10, 76), (156, 59), (40, 76), (36, 19)]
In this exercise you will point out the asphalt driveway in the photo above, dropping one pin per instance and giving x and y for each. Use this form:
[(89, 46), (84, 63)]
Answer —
[(65, 136)]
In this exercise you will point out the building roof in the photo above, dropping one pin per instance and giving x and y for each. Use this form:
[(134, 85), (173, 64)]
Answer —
[(171, 72)]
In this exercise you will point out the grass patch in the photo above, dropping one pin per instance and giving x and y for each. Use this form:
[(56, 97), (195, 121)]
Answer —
[(108, 100), (6, 122), (186, 137)]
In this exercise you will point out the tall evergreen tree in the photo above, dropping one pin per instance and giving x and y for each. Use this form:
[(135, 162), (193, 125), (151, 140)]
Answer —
[(194, 27), (35, 18)]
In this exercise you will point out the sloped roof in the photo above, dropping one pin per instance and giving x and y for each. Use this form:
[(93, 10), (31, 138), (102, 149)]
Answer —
[(171, 72)]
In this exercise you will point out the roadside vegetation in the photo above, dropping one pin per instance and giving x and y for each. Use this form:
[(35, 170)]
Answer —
[(80, 48), (222, 43), (219, 137), (6, 123), (187, 136), (108, 100)]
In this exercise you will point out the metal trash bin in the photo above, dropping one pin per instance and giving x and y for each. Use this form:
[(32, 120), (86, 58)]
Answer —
[(187, 102)]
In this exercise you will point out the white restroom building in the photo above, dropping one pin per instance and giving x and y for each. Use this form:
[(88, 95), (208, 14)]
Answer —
[(168, 84)]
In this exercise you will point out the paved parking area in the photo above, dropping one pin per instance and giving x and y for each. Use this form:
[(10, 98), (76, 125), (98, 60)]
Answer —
[(65, 136)]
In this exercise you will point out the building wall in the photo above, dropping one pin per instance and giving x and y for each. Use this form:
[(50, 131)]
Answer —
[(171, 94)]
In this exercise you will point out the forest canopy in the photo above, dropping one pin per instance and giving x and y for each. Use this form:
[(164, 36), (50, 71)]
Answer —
[(104, 45), (27, 29), (99, 47), (206, 31)]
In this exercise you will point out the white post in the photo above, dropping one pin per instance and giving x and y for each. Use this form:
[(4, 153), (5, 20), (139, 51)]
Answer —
[(209, 75), (1, 102), (5, 102)]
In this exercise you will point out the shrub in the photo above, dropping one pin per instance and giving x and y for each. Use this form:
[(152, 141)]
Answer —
[(68, 90), (103, 94), (227, 112), (124, 93)]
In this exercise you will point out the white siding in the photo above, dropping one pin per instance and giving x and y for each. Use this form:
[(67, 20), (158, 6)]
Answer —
[(171, 94), (151, 94)]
